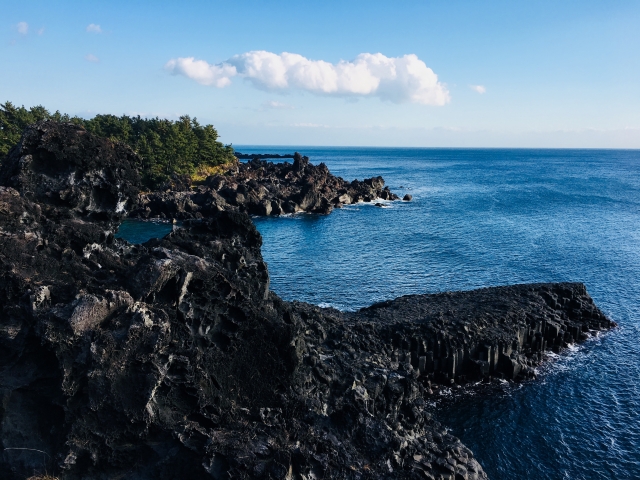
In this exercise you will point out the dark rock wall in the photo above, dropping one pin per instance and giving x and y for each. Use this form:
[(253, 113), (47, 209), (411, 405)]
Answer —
[(371, 373), (118, 357), (61, 165), (173, 359)]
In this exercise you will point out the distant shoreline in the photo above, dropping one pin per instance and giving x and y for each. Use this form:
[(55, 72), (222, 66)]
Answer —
[(261, 156)]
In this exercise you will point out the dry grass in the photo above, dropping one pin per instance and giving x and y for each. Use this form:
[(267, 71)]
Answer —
[(203, 172), (43, 477)]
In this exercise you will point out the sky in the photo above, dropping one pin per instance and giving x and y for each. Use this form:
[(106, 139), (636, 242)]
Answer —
[(423, 73)]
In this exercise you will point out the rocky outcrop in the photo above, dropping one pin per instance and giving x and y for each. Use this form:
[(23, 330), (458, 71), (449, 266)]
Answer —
[(501, 332), (259, 187), (63, 167), (172, 359), (118, 358)]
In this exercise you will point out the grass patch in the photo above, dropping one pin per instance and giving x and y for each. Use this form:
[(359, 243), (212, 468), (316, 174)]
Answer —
[(205, 171)]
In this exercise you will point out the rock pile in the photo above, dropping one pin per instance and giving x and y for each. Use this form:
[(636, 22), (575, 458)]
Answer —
[(173, 360), (259, 187)]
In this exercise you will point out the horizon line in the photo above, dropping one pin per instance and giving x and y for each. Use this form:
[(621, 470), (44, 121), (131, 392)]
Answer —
[(241, 145)]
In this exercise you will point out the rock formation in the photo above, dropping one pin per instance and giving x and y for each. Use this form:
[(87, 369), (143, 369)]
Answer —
[(259, 187), (173, 360)]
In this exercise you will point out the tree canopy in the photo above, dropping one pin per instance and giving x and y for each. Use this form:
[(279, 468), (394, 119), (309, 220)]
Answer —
[(166, 147)]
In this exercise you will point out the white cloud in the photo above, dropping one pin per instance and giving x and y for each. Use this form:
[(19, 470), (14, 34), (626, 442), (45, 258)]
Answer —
[(91, 58), (397, 79), (23, 28), (201, 71), (310, 125), (478, 88), (277, 105), (41, 31), (94, 28)]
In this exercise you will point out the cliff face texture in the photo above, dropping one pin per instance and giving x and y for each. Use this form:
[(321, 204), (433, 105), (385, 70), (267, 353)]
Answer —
[(173, 359)]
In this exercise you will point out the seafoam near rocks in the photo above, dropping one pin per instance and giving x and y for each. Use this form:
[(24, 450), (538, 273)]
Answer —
[(173, 359)]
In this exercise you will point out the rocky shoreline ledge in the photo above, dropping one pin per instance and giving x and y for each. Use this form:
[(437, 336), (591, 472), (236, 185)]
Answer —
[(173, 359), (259, 187)]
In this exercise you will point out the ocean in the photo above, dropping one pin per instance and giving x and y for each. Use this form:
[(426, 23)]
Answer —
[(485, 217)]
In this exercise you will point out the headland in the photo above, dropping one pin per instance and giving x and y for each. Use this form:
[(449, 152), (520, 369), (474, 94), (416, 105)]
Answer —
[(173, 359)]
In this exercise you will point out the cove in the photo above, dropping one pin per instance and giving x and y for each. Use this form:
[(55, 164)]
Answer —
[(141, 231)]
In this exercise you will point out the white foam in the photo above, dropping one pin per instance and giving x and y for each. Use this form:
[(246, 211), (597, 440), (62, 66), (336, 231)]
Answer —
[(328, 305)]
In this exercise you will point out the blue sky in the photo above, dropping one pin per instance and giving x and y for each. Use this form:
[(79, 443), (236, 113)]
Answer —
[(449, 73)]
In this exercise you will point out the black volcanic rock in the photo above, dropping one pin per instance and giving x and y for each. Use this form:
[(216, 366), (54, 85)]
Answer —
[(62, 165), (173, 360), (119, 358), (259, 187), (501, 331)]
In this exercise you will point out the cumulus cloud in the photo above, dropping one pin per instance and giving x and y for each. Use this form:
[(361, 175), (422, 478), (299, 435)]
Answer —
[(94, 28), (202, 72), (91, 58), (397, 79), (23, 28), (478, 88)]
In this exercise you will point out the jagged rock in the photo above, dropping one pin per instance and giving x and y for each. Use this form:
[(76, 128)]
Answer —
[(259, 187), (119, 358), (407, 198), (50, 173), (173, 360)]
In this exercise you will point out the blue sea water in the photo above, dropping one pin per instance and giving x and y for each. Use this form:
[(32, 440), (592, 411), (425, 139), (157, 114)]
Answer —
[(483, 217), (139, 231)]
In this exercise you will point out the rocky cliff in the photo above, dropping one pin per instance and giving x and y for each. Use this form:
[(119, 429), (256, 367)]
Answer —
[(173, 359)]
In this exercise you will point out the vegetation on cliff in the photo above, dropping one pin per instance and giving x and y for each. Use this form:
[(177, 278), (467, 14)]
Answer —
[(165, 147)]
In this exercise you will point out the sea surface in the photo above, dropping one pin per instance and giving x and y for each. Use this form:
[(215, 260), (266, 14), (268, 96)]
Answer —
[(484, 217)]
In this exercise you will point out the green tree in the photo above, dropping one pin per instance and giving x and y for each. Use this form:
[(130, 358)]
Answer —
[(166, 147)]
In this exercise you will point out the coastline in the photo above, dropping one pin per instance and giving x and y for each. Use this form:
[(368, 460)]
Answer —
[(331, 393)]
